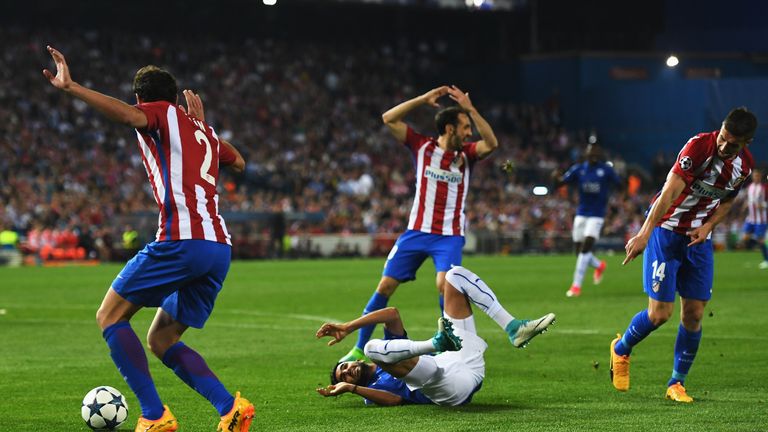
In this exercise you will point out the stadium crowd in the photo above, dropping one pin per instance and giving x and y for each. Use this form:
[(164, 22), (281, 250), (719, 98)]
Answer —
[(308, 125)]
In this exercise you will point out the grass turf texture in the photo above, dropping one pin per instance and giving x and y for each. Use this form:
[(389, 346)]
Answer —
[(260, 340)]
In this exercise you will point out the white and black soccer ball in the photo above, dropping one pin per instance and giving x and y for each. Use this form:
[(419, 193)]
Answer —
[(104, 408)]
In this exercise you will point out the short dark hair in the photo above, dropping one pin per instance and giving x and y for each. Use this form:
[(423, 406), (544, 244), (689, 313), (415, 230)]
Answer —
[(335, 380), (154, 84), (741, 123), (448, 116)]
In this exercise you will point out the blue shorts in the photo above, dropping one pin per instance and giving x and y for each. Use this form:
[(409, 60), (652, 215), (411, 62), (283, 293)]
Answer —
[(413, 247), (183, 277), (757, 231), (670, 265)]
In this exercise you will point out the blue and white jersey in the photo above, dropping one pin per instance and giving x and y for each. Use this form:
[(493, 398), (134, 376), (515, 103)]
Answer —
[(384, 381), (594, 183)]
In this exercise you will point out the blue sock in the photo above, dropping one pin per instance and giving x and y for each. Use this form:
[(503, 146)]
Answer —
[(377, 301), (638, 329), (764, 250), (441, 300), (192, 369), (686, 346), (129, 357)]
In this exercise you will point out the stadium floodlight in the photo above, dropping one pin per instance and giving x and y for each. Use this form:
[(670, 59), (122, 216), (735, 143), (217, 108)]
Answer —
[(672, 61), (270, 2), (540, 190)]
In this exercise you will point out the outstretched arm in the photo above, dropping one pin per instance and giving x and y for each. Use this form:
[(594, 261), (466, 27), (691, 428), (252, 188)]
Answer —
[(672, 189), (393, 118), (110, 107), (489, 143), (379, 397), (390, 317)]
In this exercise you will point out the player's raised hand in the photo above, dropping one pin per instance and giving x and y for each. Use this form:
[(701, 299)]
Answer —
[(433, 95), (460, 97), (194, 105), (61, 80), (337, 331), (635, 247)]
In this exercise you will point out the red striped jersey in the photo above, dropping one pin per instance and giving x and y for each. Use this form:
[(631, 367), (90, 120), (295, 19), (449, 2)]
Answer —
[(757, 202), (182, 155), (442, 182), (708, 180)]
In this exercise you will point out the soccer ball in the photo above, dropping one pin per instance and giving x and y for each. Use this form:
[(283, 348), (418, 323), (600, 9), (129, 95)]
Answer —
[(104, 408)]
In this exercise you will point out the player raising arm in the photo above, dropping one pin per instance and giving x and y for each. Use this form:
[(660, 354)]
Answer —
[(437, 221), (183, 270), (696, 196)]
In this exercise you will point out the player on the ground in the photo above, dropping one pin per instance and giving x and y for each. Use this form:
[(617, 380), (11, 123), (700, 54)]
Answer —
[(443, 167), (594, 179), (697, 195), (182, 271), (756, 222), (403, 373)]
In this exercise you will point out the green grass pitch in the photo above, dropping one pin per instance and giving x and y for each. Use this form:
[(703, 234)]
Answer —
[(260, 340)]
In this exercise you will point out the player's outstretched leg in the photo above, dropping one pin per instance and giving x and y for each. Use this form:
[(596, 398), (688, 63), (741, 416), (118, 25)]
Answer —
[(391, 351), (621, 347), (520, 332)]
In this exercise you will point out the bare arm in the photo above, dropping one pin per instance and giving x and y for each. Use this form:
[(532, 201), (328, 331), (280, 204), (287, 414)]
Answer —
[(390, 317), (393, 118), (195, 109), (115, 110), (700, 234), (239, 164), (672, 189), (379, 397), (488, 143)]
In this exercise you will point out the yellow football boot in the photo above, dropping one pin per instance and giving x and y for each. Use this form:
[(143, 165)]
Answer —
[(239, 417), (166, 423), (619, 368), (676, 392)]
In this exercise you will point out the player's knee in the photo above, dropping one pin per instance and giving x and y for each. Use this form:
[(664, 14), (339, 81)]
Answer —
[(104, 318), (157, 345), (659, 317), (452, 276), (387, 287), (370, 350)]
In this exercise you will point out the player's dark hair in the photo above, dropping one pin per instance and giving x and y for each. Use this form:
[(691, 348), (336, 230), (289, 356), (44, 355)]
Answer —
[(741, 123), (334, 380), (448, 116), (154, 84)]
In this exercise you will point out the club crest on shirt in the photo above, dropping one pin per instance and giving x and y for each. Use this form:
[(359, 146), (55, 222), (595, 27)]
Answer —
[(685, 163), (600, 172), (739, 180)]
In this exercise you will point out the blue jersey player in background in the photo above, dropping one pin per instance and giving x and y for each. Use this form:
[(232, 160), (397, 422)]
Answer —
[(595, 179)]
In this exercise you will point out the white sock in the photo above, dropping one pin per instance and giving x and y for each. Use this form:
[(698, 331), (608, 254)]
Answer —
[(422, 373), (395, 350), (467, 324), (581, 268), (478, 293), (593, 260)]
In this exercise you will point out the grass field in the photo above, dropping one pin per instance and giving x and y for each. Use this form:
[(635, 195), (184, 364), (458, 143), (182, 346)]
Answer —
[(260, 340)]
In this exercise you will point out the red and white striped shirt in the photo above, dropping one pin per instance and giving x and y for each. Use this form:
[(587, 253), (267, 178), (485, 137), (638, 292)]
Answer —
[(757, 202), (442, 183), (182, 155), (708, 180)]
